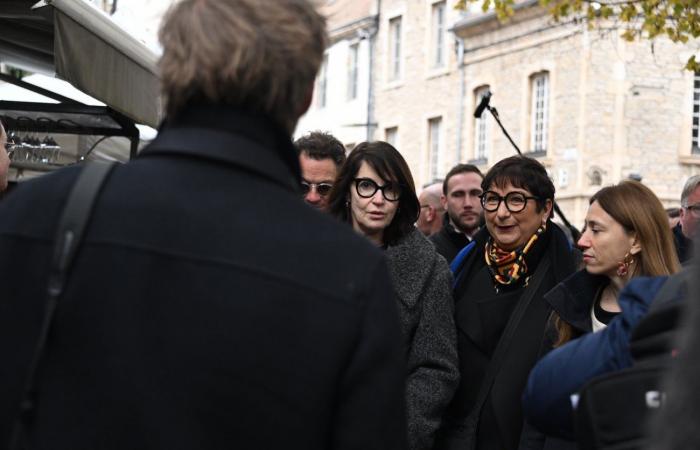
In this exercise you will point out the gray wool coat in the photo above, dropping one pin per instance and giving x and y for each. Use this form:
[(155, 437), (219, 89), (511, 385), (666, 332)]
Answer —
[(423, 283)]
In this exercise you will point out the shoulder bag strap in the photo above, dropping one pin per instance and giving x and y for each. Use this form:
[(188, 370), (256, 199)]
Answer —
[(71, 228), (471, 422)]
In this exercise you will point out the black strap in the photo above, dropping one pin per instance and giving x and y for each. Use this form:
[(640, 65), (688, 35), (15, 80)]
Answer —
[(472, 421), (71, 228)]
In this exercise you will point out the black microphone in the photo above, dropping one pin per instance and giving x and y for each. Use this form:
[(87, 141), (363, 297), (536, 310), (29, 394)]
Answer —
[(483, 104)]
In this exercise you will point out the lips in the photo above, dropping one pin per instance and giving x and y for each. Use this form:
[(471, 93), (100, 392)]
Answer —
[(377, 215)]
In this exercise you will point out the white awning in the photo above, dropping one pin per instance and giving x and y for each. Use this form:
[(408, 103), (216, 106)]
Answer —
[(82, 45)]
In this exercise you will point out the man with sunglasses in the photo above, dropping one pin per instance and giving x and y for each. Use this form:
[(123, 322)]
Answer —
[(4, 158), (320, 157)]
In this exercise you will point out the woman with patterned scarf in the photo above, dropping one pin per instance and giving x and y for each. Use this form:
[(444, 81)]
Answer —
[(500, 280)]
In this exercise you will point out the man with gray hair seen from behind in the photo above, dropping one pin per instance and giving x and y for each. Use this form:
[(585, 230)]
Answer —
[(320, 157), (207, 306), (431, 210), (463, 217), (684, 233)]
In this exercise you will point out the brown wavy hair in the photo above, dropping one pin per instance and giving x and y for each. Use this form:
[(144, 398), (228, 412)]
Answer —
[(261, 56), (390, 165), (639, 211)]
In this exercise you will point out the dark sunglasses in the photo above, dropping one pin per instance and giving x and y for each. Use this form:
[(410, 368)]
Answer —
[(322, 189)]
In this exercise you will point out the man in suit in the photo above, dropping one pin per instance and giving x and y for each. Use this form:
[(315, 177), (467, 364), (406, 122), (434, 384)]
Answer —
[(320, 157), (463, 217), (207, 307)]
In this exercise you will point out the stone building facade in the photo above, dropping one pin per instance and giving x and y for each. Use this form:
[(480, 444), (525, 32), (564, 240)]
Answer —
[(593, 108), (419, 106), (610, 109), (343, 95)]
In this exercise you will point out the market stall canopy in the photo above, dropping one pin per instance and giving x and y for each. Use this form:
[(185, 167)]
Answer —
[(80, 44)]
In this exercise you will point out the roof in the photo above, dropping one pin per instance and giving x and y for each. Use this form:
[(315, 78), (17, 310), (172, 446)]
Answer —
[(80, 44)]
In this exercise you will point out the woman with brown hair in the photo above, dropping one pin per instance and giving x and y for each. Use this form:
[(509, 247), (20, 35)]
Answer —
[(375, 194), (626, 235)]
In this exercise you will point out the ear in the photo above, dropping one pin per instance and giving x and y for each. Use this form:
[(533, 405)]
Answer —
[(546, 211), (431, 214), (443, 202), (636, 247)]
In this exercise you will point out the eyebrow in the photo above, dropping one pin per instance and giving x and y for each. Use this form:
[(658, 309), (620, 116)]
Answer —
[(593, 223)]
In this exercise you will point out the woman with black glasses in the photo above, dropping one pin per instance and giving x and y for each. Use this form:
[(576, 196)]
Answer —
[(375, 193), (500, 280)]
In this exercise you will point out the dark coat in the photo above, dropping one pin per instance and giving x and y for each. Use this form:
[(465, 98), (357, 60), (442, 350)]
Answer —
[(572, 300), (684, 246), (448, 242), (423, 283), (209, 307), (479, 325), (564, 370)]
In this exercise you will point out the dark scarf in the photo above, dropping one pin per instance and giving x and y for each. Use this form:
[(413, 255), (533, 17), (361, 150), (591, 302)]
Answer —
[(508, 267)]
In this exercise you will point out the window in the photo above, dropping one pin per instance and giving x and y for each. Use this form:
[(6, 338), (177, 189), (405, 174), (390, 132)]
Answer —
[(395, 48), (481, 128), (434, 147), (696, 114), (438, 44), (391, 136), (353, 53), (322, 83), (539, 92)]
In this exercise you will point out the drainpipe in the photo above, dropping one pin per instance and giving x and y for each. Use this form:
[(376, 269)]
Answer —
[(370, 89), (460, 101)]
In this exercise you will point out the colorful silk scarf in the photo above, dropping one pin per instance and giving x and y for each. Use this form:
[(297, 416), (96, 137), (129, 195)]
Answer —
[(509, 267)]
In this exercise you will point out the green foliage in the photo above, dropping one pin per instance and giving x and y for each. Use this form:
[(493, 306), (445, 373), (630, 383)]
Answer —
[(679, 20)]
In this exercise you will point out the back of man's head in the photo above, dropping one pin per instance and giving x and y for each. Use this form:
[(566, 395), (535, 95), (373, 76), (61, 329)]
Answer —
[(319, 145), (259, 56)]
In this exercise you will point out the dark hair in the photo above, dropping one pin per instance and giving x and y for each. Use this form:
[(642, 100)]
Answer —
[(524, 173), (456, 170), (390, 165), (673, 212), (320, 145)]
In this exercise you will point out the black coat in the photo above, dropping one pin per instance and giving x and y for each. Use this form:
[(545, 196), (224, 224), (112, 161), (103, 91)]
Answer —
[(448, 242), (209, 307), (684, 246), (572, 300), (480, 318)]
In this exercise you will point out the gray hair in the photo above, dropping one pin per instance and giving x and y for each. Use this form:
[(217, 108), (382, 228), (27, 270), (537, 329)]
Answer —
[(261, 56), (690, 185)]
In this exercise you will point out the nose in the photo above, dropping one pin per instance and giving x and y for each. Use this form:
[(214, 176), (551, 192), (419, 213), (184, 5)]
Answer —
[(312, 196), (584, 241), (502, 211), (378, 197)]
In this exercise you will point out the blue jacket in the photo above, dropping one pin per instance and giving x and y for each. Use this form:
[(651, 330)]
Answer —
[(563, 371)]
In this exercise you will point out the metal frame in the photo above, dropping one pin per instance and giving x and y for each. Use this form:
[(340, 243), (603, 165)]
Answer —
[(127, 128)]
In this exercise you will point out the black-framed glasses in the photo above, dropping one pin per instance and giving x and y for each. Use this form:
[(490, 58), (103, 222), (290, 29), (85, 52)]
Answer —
[(366, 188), (322, 189), (515, 201)]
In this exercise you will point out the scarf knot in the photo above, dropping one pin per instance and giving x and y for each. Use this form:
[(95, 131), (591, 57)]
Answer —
[(507, 267)]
